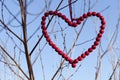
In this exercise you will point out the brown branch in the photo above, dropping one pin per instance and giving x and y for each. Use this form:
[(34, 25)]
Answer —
[(13, 61), (42, 67), (74, 73), (118, 62), (6, 27), (23, 15), (40, 50), (67, 5), (99, 64), (113, 38), (85, 42), (12, 39), (60, 67), (9, 65)]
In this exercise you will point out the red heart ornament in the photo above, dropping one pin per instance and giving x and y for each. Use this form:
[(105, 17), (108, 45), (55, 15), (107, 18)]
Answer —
[(73, 62)]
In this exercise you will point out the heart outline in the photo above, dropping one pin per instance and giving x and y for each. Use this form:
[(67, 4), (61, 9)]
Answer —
[(73, 62)]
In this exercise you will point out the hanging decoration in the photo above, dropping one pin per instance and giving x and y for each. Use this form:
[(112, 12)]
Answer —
[(73, 24)]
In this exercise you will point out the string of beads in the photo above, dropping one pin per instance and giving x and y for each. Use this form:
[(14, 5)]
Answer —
[(73, 24)]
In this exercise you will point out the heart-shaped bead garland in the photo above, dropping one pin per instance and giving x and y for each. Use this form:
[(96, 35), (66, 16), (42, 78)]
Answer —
[(73, 62)]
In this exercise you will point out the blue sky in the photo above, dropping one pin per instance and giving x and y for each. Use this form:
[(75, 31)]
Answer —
[(50, 58)]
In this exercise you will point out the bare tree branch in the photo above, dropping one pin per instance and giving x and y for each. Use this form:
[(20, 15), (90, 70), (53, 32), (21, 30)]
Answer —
[(13, 61), (6, 27), (23, 14)]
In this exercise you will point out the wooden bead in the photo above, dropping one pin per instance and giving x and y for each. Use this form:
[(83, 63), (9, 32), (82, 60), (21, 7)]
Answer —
[(89, 13), (94, 13), (79, 58), (87, 53)]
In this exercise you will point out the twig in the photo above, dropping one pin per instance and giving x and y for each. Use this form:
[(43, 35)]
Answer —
[(42, 34), (74, 73), (67, 5), (6, 27), (118, 62), (13, 61)]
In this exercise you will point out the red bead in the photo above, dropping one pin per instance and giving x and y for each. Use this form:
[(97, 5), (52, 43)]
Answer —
[(56, 13), (103, 27), (87, 53), (102, 31), (90, 49), (70, 61), (64, 56), (93, 46), (83, 55), (101, 18), (50, 42), (75, 24), (48, 39), (43, 23), (46, 14), (85, 15), (81, 19), (73, 65), (79, 58), (60, 14), (44, 32), (57, 50), (46, 36), (43, 18), (103, 22), (89, 13), (75, 61), (96, 43), (78, 21), (63, 17), (100, 35), (43, 27), (70, 23), (67, 58), (61, 53), (98, 15), (54, 46), (94, 13), (98, 39), (66, 20), (51, 12)]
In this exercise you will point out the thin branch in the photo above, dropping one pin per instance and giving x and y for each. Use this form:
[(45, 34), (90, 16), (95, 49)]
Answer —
[(42, 34), (74, 73), (99, 64), (11, 13), (42, 67), (113, 38), (60, 67), (12, 39), (40, 50), (2, 10), (85, 42), (13, 61), (67, 5), (9, 66), (6, 27), (114, 69)]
